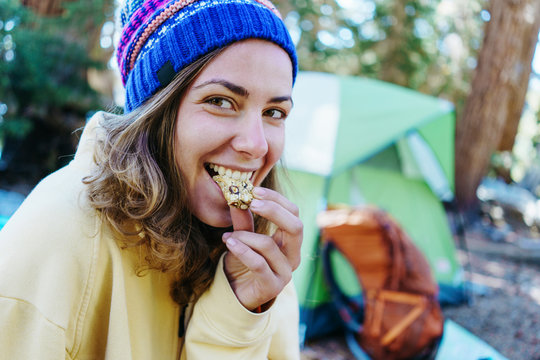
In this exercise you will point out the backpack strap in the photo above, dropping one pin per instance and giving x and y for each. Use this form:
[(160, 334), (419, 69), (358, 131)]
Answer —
[(354, 347), (350, 311), (383, 296), (390, 236)]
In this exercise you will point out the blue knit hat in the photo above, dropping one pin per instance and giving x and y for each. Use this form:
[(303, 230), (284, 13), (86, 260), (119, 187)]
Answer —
[(160, 37)]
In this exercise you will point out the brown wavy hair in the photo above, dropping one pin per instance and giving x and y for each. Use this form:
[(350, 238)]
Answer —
[(139, 190)]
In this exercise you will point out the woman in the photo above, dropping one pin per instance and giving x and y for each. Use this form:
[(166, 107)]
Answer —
[(131, 251)]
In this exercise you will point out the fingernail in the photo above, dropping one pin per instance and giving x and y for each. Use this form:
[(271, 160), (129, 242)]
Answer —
[(256, 204), (226, 235), (258, 191), (231, 242)]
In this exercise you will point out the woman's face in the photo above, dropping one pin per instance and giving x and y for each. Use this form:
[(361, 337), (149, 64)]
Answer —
[(233, 115)]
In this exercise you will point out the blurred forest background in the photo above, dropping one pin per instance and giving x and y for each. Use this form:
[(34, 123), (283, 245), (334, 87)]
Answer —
[(56, 70)]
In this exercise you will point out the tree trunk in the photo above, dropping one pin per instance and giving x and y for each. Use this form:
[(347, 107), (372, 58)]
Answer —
[(498, 91), (44, 7), (517, 99)]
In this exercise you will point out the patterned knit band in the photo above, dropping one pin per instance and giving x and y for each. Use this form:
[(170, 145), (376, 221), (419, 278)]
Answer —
[(160, 37)]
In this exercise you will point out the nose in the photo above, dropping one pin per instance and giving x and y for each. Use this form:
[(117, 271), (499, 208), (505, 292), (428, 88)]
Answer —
[(250, 138)]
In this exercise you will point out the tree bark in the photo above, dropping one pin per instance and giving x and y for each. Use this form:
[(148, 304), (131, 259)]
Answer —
[(44, 7), (498, 91), (517, 99)]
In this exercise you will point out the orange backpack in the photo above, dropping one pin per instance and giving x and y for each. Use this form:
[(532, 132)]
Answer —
[(402, 318)]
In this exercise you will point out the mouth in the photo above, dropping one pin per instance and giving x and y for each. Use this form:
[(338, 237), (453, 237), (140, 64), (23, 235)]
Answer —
[(214, 170), (235, 185)]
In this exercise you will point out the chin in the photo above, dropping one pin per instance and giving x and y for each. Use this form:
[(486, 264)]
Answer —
[(214, 218)]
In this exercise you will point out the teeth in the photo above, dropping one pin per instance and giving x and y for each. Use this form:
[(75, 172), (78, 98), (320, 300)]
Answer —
[(234, 174)]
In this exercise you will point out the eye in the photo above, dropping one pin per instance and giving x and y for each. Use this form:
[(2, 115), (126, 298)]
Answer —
[(220, 102), (275, 114)]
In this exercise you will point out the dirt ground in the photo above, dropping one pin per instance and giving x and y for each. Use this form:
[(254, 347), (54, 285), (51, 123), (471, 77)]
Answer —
[(505, 309)]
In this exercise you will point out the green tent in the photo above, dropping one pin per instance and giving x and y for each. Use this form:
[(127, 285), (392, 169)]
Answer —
[(360, 141)]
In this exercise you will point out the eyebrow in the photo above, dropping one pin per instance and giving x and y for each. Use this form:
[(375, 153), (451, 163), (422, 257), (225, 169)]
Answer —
[(239, 90), (280, 99)]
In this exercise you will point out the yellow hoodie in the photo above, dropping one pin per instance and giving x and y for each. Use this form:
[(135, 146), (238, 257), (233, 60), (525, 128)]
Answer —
[(68, 291)]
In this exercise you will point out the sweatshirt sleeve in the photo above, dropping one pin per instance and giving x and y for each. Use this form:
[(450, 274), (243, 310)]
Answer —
[(221, 328), (26, 334), (285, 343), (45, 267)]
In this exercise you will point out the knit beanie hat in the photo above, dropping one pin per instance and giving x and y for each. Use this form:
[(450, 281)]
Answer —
[(160, 37)]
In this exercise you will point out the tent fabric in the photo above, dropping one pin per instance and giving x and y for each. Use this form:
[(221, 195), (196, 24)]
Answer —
[(353, 140), (339, 110), (374, 114), (429, 167), (459, 343), (312, 148)]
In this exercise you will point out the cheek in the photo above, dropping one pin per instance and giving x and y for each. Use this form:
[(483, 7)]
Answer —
[(184, 146), (178, 147), (276, 142)]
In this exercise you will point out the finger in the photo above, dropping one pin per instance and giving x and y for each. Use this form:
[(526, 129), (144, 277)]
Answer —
[(247, 256), (263, 249), (279, 215), (250, 276), (289, 234), (272, 195), (291, 249), (242, 220)]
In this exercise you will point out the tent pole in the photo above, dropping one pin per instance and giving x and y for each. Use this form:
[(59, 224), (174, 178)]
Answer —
[(306, 312), (459, 226)]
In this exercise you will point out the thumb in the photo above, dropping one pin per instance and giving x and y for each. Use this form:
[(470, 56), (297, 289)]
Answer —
[(242, 220)]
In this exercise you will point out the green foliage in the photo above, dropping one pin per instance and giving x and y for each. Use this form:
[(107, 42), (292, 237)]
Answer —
[(43, 63), (427, 45), (44, 92)]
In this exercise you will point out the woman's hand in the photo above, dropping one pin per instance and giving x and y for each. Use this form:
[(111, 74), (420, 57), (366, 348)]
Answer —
[(259, 266)]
